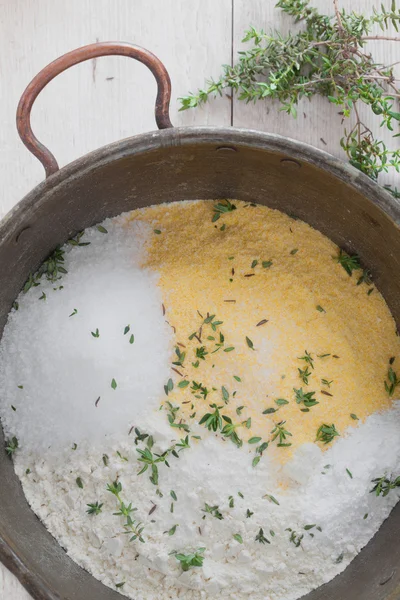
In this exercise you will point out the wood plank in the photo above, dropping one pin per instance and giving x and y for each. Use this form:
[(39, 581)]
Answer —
[(317, 122), (98, 102), (110, 98)]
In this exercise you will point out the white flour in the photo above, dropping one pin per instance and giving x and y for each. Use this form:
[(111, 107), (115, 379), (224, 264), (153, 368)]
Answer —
[(322, 496), (211, 472)]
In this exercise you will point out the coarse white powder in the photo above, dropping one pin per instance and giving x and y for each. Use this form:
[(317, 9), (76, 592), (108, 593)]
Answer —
[(63, 369), (322, 496), (217, 473)]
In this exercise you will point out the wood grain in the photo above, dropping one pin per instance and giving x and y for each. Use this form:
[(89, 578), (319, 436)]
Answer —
[(106, 99), (112, 98), (318, 122)]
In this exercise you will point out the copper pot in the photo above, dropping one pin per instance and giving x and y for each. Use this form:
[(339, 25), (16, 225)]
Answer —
[(183, 164)]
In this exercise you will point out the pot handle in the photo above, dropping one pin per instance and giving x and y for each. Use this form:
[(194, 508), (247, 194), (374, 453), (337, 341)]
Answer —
[(73, 58)]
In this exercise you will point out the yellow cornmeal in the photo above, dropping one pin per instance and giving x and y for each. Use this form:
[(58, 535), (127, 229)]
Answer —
[(198, 274)]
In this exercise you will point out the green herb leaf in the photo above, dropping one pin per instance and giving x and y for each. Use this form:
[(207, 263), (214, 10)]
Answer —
[(327, 433), (213, 510), (11, 445), (383, 485), (392, 383), (225, 394), (260, 537), (280, 432), (183, 384), (271, 499), (339, 558), (269, 411), (307, 398), (349, 263), (223, 206), (281, 401), (249, 343), (94, 509), (172, 530)]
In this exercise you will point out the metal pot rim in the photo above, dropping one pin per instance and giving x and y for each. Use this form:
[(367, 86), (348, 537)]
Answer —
[(230, 137)]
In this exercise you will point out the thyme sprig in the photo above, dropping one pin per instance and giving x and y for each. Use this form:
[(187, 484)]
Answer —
[(150, 460), (295, 538), (53, 267), (222, 207), (212, 510), (213, 420), (180, 357), (326, 57), (131, 527), (327, 433), (193, 559), (304, 374), (307, 398), (199, 390), (392, 382), (171, 416), (11, 445), (201, 352), (348, 262), (259, 452), (94, 509), (260, 537), (229, 430), (280, 432), (308, 359), (383, 485)]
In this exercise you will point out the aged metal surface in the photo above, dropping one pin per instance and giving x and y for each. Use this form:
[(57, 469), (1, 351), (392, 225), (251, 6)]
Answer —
[(73, 58), (179, 164)]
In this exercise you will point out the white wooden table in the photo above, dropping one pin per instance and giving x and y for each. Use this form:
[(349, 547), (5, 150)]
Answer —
[(111, 98)]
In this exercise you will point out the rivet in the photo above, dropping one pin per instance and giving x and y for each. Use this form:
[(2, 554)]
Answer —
[(22, 234), (290, 163), (387, 579), (226, 148)]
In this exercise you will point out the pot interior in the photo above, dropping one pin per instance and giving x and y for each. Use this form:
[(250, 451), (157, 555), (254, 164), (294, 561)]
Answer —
[(186, 165)]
